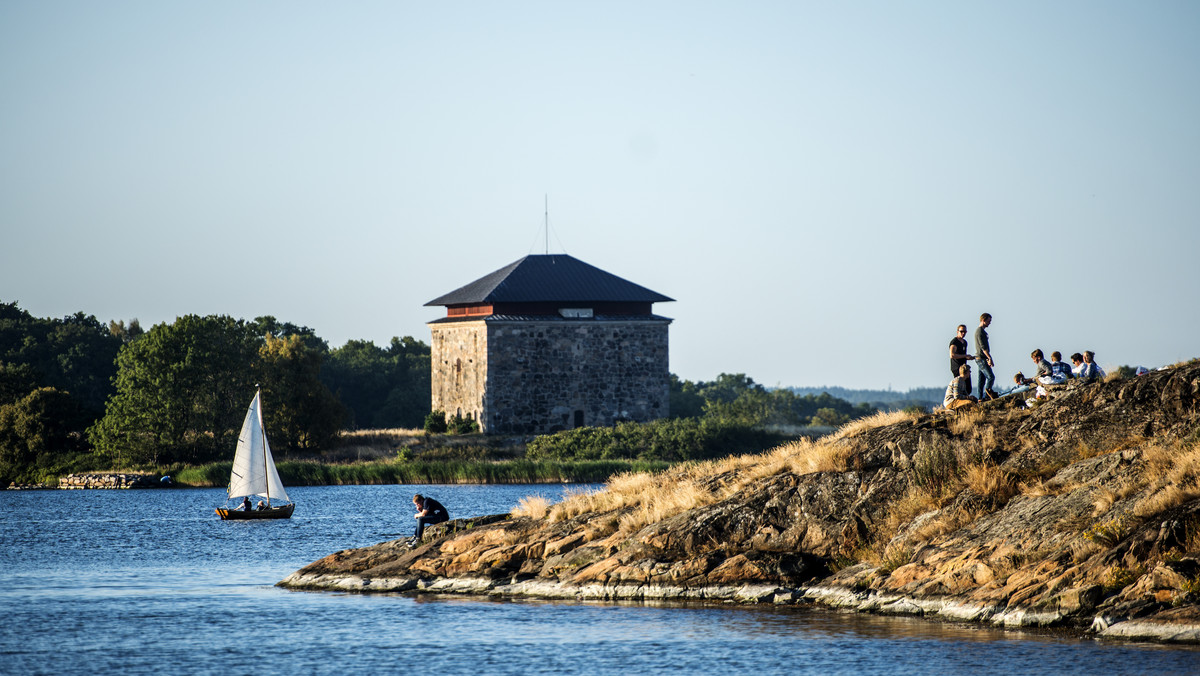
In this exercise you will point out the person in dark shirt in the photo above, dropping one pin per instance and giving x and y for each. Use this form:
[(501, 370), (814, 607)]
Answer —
[(983, 359), (429, 511), (246, 504), (958, 350)]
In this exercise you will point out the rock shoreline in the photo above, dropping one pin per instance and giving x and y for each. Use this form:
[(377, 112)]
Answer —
[(1082, 513), (107, 480), (1182, 630)]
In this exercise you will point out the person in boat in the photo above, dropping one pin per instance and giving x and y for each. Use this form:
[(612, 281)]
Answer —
[(429, 512), (261, 505), (246, 504)]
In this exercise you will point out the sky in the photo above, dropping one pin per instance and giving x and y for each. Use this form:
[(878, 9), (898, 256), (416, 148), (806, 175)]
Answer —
[(826, 189)]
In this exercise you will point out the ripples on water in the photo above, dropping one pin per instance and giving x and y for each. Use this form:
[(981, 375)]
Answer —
[(152, 582)]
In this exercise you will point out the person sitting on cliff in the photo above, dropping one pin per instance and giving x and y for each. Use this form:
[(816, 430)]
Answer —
[(1077, 365), (1090, 370), (1059, 367), (1020, 384), (958, 392), (1045, 372), (429, 512)]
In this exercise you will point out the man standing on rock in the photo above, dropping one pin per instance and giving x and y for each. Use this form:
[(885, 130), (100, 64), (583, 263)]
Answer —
[(983, 359), (429, 512), (958, 351)]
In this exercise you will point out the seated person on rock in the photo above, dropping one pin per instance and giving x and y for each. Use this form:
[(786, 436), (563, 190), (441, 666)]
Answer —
[(429, 511), (1045, 372), (1059, 367), (1076, 365), (1090, 370), (1020, 384), (958, 392)]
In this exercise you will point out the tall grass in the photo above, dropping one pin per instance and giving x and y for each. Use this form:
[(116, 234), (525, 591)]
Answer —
[(304, 473)]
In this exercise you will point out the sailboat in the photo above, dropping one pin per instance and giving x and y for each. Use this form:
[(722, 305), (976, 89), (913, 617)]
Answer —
[(254, 474)]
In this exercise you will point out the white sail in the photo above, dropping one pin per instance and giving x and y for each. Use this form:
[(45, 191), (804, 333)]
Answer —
[(253, 467)]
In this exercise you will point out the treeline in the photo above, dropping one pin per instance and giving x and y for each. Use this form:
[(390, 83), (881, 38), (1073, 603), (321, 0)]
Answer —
[(737, 398), (77, 394), (74, 391), (727, 416), (890, 400)]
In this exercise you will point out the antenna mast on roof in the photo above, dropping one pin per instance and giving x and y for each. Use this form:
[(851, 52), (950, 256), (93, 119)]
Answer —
[(547, 223)]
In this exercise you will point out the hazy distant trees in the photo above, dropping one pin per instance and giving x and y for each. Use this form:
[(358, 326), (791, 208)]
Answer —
[(735, 398)]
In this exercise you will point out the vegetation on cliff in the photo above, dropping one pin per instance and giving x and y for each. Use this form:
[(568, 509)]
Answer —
[(1083, 510)]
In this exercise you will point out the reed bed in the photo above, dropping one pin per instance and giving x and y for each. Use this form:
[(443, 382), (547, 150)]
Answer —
[(303, 473)]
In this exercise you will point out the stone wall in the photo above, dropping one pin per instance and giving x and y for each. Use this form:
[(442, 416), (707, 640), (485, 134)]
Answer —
[(534, 377), (459, 364)]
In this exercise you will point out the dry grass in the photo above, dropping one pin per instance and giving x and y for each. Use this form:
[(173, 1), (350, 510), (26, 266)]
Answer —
[(1036, 489), (647, 498), (801, 457), (940, 525), (1174, 473), (1103, 501), (532, 506), (1082, 550), (990, 481), (384, 435), (881, 419), (967, 424), (674, 499)]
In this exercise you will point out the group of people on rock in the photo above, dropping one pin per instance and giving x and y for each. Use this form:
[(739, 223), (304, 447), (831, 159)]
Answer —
[(959, 392)]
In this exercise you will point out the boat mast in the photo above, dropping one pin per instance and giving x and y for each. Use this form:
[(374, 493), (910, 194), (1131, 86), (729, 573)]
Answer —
[(262, 429)]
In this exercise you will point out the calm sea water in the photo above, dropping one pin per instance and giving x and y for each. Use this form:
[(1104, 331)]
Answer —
[(152, 582)]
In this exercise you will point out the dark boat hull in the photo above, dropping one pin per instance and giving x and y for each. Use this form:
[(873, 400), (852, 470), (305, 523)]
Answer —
[(284, 512)]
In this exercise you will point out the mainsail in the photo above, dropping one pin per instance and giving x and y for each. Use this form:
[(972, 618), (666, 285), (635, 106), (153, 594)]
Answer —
[(253, 467)]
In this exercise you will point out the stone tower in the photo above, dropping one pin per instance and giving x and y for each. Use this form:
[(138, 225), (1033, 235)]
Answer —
[(550, 343)]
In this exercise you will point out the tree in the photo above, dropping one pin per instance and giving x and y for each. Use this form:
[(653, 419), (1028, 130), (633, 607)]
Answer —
[(36, 431), (181, 393), (75, 354), (301, 412), (381, 388)]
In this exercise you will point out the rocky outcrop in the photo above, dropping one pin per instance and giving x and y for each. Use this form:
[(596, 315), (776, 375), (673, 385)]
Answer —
[(107, 480), (1082, 511)]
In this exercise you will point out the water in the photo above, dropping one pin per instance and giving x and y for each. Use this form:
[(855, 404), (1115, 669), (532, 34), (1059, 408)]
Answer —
[(152, 582)]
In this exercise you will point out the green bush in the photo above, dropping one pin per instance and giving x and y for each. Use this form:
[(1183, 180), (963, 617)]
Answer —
[(435, 422), (461, 425), (668, 440)]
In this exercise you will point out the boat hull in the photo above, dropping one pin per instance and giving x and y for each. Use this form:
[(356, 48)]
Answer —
[(284, 512)]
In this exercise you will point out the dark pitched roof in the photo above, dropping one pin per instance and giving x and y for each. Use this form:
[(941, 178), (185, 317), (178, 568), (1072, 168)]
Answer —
[(549, 278), (552, 318)]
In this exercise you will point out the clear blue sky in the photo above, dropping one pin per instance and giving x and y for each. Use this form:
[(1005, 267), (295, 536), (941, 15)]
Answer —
[(826, 188)]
